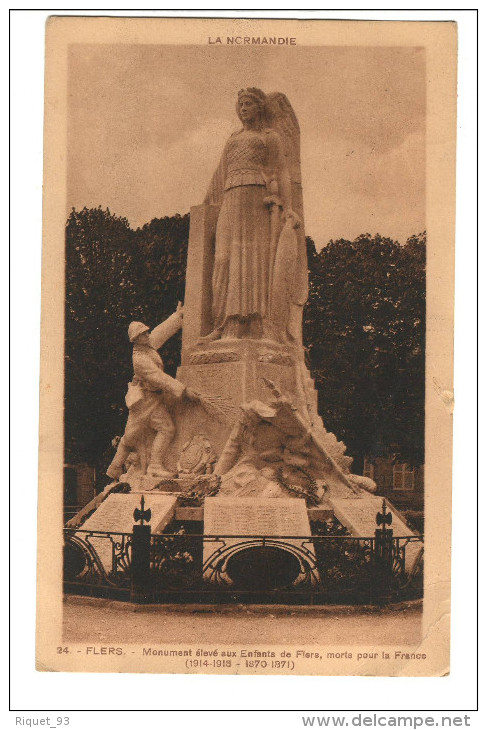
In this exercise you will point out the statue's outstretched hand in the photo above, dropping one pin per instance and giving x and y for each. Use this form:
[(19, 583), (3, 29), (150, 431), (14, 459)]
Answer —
[(290, 215), (192, 395), (180, 313)]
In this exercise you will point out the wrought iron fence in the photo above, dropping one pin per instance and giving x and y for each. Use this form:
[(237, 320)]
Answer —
[(96, 562), (243, 568)]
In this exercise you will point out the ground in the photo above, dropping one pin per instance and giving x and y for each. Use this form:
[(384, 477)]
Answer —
[(95, 620)]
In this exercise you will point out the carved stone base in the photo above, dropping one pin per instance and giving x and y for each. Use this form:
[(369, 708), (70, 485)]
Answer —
[(235, 369), (240, 371)]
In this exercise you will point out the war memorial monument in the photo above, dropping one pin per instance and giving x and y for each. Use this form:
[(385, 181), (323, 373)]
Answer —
[(234, 446)]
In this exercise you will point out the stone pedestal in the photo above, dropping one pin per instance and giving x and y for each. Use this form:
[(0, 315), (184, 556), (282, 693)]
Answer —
[(240, 371), (237, 370)]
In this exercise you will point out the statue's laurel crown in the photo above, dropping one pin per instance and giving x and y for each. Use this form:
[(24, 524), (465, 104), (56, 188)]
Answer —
[(255, 93)]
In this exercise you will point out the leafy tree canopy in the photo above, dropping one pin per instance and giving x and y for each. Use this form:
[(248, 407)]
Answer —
[(364, 328), (113, 275)]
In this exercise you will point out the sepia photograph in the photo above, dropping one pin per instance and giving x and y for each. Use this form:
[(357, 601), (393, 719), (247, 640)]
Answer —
[(247, 347)]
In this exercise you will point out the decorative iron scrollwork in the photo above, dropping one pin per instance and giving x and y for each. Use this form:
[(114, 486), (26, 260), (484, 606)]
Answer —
[(319, 568), (97, 558)]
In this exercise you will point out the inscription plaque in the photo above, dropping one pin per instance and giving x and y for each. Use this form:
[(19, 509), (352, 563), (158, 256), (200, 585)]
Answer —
[(116, 514), (280, 554), (250, 516)]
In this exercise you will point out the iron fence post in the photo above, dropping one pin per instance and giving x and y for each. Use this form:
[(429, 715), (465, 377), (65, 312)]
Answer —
[(140, 588), (384, 547), (384, 544)]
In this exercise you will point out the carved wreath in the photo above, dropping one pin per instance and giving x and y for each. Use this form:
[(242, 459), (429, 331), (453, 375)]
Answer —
[(309, 490)]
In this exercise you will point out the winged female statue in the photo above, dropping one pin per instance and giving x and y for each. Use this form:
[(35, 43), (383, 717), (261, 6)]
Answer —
[(260, 274)]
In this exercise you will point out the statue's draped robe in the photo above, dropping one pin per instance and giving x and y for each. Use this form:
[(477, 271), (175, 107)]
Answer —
[(241, 271), (244, 243)]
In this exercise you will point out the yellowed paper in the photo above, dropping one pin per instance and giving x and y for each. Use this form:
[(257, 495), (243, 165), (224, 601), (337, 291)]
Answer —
[(118, 96)]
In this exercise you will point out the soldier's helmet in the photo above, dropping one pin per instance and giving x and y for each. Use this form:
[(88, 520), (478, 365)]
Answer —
[(136, 329)]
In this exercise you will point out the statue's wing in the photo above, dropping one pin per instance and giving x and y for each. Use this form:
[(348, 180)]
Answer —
[(282, 119), (214, 194)]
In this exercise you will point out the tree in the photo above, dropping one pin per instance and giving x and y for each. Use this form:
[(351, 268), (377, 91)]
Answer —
[(162, 252), (99, 291), (364, 328), (113, 275)]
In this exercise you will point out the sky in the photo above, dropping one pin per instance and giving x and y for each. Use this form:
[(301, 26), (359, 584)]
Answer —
[(147, 125)]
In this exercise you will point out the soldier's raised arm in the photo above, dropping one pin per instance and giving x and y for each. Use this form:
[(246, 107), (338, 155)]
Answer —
[(146, 370), (167, 329)]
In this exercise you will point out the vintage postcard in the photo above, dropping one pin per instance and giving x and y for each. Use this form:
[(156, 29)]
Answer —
[(247, 347)]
